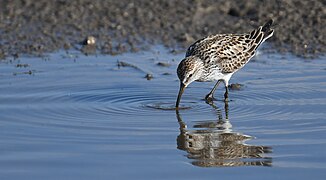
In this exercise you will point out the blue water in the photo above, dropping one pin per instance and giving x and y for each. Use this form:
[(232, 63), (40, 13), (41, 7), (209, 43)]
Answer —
[(70, 116)]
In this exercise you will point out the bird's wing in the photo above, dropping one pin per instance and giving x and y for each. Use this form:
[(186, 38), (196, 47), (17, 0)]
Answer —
[(241, 48), (236, 53), (200, 47), (230, 51)]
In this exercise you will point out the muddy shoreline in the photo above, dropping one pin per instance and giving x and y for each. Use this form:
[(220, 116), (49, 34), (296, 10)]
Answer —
[(35, 28)]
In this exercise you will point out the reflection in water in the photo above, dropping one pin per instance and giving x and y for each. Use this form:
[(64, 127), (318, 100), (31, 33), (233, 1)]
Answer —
[(214, 144)]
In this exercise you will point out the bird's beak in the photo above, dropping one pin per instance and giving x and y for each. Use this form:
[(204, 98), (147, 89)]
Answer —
[(181, 90)]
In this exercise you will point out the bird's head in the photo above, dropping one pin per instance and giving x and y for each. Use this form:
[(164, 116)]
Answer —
[(189, 70)]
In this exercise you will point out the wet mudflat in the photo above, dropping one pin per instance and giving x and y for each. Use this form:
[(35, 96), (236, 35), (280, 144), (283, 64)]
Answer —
[(122, 26), (70, 116)]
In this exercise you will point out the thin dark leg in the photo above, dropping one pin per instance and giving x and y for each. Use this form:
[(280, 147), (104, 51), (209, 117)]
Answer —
[(226, 94), (210, 96), (226, 108)]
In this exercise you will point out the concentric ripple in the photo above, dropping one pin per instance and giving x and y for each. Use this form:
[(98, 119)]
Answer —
[(129, 101), (91, 106)]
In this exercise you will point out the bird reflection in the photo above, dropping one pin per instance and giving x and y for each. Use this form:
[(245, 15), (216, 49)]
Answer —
[(214, 144)]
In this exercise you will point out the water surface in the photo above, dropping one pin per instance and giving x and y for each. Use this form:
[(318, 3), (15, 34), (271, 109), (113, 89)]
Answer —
[(70, 116)]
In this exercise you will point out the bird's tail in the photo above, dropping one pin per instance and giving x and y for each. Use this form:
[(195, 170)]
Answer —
[(259, 35), (268, 32)]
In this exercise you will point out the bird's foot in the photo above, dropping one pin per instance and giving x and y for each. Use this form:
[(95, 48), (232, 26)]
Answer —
[(209, 99)]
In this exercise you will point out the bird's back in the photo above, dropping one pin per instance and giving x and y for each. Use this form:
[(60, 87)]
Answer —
[(228, 53)]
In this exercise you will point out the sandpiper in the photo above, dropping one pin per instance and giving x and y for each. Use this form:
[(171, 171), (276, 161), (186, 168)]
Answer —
[(218, 57)]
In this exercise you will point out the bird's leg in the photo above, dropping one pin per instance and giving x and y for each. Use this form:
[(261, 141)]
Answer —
[(226, 94), (210, 96), (226, 108)]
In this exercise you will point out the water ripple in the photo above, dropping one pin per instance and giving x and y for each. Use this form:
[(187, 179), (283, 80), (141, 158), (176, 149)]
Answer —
[(75, 103)]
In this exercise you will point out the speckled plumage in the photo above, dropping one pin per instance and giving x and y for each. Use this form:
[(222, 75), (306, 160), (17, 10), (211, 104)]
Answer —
[(217, 57)]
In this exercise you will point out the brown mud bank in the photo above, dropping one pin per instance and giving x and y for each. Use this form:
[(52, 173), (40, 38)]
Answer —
[(37, 27)]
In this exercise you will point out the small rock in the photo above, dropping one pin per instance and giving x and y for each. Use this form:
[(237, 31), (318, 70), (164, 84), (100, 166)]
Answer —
[(90, 40), (166, 73), (16, 55), (22, 65), (2, 54), (149, 76), (234, 12), (66, 46), (163, 64), (235, 86)]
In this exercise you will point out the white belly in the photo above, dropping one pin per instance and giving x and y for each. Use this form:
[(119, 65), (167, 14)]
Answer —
[(216, 75)]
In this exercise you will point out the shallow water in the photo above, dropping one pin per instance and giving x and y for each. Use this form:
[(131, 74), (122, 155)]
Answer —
[(70, 116)]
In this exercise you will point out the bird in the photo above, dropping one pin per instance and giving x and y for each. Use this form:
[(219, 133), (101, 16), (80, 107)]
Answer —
[(218, 57)]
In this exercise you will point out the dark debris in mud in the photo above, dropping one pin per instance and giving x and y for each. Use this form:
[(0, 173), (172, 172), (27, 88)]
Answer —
[(35, 28), (30, 72), (166, 74), (22, 65), (148, 76), (163, 64), (125, 64), (235, 86)]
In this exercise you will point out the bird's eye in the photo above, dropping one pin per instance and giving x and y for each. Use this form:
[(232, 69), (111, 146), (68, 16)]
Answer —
[(190, 75)]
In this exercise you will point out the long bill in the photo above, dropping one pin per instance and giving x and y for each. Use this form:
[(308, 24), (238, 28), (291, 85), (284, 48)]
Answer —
[(181, 90)]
